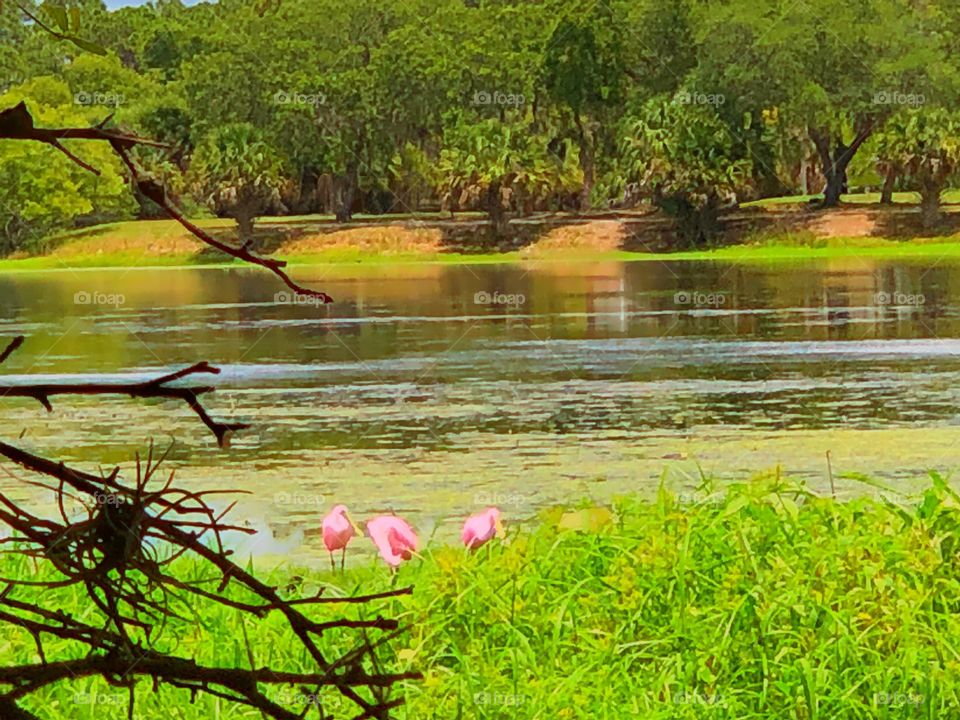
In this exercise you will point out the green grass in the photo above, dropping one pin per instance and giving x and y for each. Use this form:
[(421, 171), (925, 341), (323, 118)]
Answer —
[(159, 243), (870, 198), (776, 249), (111, 260), (759, 601)]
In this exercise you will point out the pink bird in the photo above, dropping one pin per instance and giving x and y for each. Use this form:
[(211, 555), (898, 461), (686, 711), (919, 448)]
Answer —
[(481, 528), (394, 538), (338, 531)]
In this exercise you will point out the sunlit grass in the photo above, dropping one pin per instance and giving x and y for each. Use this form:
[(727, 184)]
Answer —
[(758, 601), (163, 243), (870, 198)]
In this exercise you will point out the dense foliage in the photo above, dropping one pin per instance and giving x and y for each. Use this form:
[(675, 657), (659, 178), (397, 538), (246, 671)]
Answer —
[(762, 600), (506, 106)]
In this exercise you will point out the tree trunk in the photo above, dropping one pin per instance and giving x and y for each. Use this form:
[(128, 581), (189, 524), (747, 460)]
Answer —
[(245, 222), (347, 193), (587, 163), (930, 203), (697, 226), (889, 180), (493, 204), (836, 176), (836, 159), (326, 193)]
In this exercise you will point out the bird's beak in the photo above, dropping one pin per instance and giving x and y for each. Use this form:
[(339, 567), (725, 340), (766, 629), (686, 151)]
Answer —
[(356, 528), (501, 532)]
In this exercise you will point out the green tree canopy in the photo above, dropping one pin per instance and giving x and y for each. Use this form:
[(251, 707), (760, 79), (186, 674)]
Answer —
[(237, 173), (685, 159)]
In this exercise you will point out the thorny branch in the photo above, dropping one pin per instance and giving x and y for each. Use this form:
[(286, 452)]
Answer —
[(120, 552)]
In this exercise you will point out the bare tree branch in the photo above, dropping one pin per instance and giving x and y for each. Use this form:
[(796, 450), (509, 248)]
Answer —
[(11, 348), (120, 551), (16, 123), (118, 554), (156, 388)]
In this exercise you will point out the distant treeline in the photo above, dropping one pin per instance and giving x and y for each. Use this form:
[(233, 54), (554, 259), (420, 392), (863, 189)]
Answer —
[(346, 106)]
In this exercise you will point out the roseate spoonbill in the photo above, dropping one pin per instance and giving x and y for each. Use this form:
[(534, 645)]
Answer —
[(338, 530), (394, 538), (480, 528)]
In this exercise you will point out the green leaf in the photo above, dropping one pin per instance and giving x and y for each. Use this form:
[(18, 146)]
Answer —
[(790, 506), (734, 506), (587, 520), (87, 45), (58, 14)]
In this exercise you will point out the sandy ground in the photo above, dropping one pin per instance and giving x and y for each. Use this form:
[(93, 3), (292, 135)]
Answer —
[(535, 237), (387, 240)]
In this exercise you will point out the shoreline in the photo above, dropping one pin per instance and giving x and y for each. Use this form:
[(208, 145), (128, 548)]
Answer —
[(768, 253), (772, 234)]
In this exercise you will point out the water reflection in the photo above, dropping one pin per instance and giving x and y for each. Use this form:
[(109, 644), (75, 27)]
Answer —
[(425, 385)]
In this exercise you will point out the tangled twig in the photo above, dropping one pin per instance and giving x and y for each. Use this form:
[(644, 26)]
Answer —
[(121, 554)]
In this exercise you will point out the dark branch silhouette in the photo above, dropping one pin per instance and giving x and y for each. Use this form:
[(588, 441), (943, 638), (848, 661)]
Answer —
[(121, 553), (16, 123), (156, 388)]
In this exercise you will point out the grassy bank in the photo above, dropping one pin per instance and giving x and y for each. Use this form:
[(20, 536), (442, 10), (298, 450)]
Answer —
[(931, 249), (760, 601), (951, 197), (791, 248), (317, 240)]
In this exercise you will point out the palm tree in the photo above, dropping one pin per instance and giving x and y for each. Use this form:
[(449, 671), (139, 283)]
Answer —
[(237, 174)]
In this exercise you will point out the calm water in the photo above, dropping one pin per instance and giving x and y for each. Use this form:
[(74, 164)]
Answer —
[(433, 390)]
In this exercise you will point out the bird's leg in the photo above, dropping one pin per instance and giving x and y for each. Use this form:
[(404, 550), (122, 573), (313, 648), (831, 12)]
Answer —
[(333, 564), (343, 557)]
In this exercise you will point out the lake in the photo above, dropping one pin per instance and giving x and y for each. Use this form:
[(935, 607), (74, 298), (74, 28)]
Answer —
[(433, 390)]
